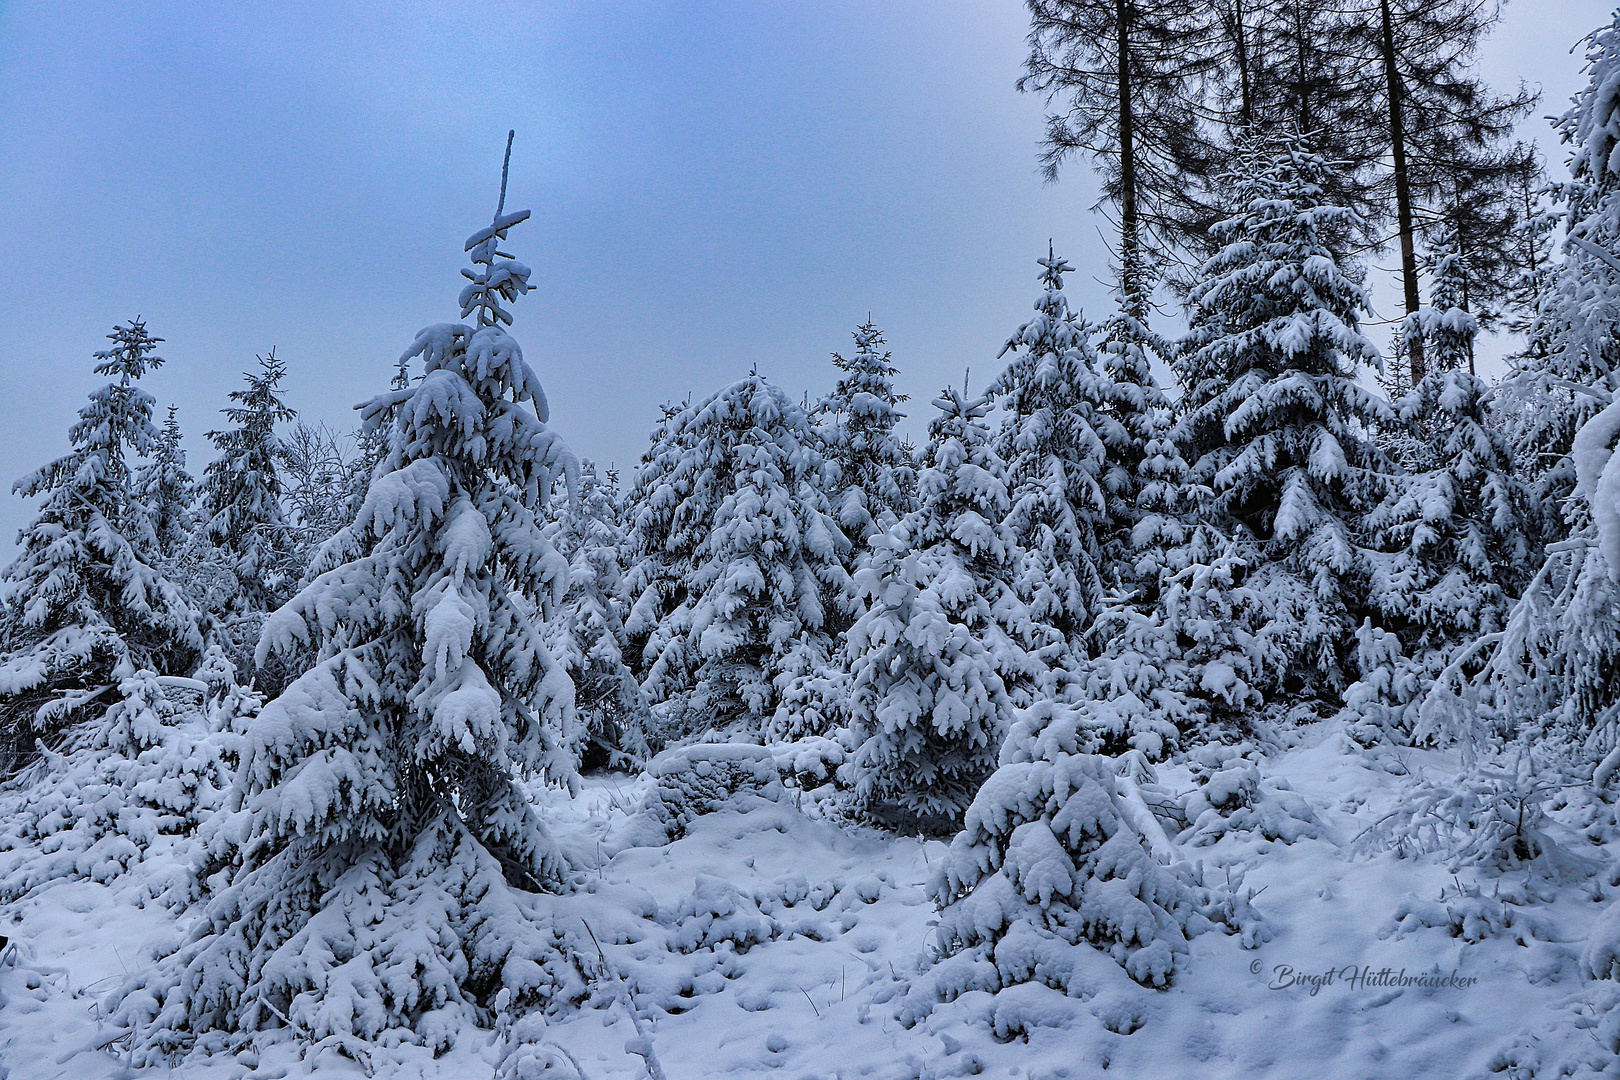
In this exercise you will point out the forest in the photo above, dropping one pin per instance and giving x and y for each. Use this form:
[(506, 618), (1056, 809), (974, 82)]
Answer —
[(1211, 671)]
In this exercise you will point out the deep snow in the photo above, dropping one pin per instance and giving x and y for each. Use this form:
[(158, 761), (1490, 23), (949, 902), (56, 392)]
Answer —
[(773, 940)]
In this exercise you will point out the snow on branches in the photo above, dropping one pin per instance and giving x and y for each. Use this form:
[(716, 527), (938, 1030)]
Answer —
[(374, 866)]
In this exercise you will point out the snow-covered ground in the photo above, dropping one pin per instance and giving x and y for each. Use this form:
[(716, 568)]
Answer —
[(772, 940)]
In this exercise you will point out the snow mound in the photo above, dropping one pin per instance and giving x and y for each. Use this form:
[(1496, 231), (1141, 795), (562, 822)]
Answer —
[(695, 780), (1233, 797)]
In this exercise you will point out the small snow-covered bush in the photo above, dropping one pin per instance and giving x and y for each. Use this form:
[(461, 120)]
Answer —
[(696, 780), (1232, 796), (1600, 958), (715, 912), (1464, 911), (529, 1056), (810, 704), (809, 762), (1049, 859), (1491, 814), (1382, 705), (147, 767)]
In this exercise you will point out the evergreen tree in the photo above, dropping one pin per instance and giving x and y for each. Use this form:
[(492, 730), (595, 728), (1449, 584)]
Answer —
[(373, 866), (1275, 420), (587, 635), (1052, 857), (1447, 328), (1143, 462), (1562, 378), (940, 641), (168, 492), (1555, 669), (1456, 533), (84, 600), (1287, 65), (878, 483), (1055, 444), (1391, 94), (743, 558), (146, 767), (1175, 652), (242, 492)]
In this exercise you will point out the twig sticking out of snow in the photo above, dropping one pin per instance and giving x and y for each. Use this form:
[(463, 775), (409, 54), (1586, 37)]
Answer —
[(641, 1045)]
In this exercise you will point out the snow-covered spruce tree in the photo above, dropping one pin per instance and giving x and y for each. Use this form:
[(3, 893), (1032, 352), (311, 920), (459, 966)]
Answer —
[(1275, 423), (1454, 530), (144, 768), (168, 492), (1175, 654), (1146, 479), (83, 598), (744, 557), (1555, 671), (1053, 862), (373, 869), (1574, 340), (1443, 332), (1446, 326), (941, 638), (242, 490), (586, 635), (1166, 534), (1055, 444), (172, 500), (878, 485)]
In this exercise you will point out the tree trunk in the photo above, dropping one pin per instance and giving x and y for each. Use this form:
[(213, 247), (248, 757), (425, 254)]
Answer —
[(1247, 91), (1403, 193), (1130, 245)]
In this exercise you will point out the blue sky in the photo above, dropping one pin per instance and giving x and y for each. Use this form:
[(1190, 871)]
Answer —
[(714, 186)]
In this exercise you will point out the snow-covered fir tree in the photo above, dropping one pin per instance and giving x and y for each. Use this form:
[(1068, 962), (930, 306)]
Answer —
[(1053, 861), (1573, 343), (1275, 423), (374, 867), (877, 482), (740, 557), (1178, 653), (84, 599), (1555, 668), (1146, 480), (1055, 444), (1446, 327), (167, 490), (242, 490), (1455, 529), (942, 637), (586, 635), (145, 768)]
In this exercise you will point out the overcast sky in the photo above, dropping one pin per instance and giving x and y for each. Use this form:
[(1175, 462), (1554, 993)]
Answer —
[(714, 185)]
